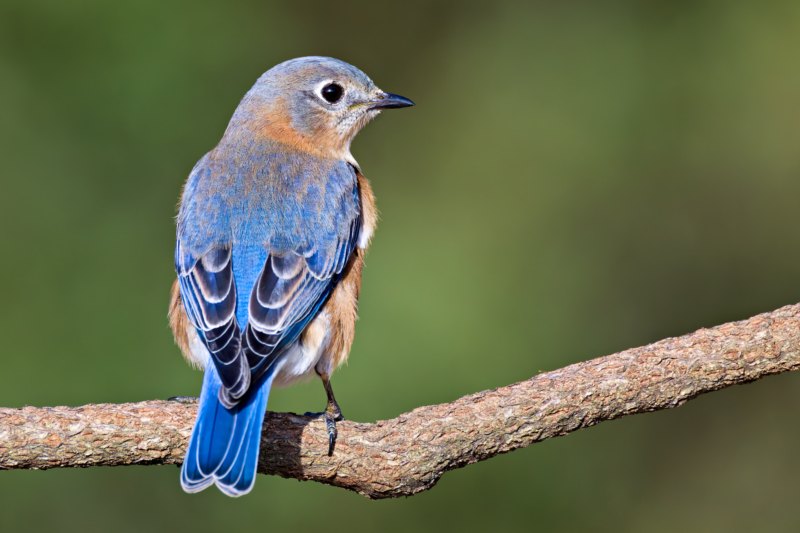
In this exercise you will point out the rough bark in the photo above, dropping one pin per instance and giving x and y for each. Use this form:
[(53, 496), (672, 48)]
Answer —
[(409, 454)]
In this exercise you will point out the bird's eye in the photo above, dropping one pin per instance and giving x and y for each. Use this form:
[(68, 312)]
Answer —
[(332, 93)]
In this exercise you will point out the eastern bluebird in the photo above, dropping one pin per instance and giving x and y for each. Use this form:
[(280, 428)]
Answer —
[(272, 230)]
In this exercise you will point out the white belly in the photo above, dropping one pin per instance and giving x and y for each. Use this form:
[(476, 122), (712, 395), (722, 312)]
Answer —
[(297, 362)]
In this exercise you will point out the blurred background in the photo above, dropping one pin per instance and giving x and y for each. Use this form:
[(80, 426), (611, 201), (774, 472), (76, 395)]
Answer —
[(577, 178)]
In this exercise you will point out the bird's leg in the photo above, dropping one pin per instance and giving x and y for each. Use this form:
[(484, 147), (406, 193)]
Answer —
[(331, 414), (184, 399)]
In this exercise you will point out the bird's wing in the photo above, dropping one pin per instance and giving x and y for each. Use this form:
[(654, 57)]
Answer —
[(292, 287), (209, 295), (286, 294)]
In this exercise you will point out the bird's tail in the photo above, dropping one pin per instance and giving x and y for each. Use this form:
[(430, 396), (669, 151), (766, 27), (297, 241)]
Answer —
[(225, 443)]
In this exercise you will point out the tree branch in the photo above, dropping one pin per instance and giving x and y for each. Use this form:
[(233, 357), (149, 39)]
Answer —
[(409, 454)]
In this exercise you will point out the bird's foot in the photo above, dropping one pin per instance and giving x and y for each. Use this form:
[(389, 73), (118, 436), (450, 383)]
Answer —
[(331, 415), (184, 399)]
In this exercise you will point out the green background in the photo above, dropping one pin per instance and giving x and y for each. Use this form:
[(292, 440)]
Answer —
[(577, 178)]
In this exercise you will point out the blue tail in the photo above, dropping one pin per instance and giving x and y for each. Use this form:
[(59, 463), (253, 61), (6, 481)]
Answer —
[(225, 443)]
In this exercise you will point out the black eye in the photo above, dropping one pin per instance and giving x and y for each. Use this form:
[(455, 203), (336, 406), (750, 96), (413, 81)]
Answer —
[(332, 92)]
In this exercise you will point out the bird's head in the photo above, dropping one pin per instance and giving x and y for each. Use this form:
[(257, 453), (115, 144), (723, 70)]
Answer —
[(313, 104)]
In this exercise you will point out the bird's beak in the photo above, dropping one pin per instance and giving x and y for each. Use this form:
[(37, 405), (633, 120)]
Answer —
[(390, 101)]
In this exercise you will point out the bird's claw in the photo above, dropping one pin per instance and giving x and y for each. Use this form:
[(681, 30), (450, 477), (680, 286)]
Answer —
[(184, 399), (330, 425), (331, 415), (337, 417)]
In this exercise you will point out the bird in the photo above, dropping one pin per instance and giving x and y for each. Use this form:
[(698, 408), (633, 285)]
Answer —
[(272, 229)]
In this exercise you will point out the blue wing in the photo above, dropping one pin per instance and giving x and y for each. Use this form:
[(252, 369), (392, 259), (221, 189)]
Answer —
[(286, 294), (289, 291), (209, 295)]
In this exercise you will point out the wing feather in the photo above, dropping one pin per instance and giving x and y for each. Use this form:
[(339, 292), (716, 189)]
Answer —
[(209, 294), (301, 267), (289, 291)]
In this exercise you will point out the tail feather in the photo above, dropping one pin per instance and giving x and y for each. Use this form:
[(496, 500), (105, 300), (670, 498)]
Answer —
[(225, 443), (239, 479)]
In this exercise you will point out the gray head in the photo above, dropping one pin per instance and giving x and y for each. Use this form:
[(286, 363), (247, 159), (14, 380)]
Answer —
[(314, 104)]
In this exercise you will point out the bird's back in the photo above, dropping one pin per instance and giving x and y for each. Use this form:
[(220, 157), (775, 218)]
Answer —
[(260, 200)]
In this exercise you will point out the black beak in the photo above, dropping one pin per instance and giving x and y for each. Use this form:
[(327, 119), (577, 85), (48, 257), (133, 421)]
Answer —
[(391, 101)]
